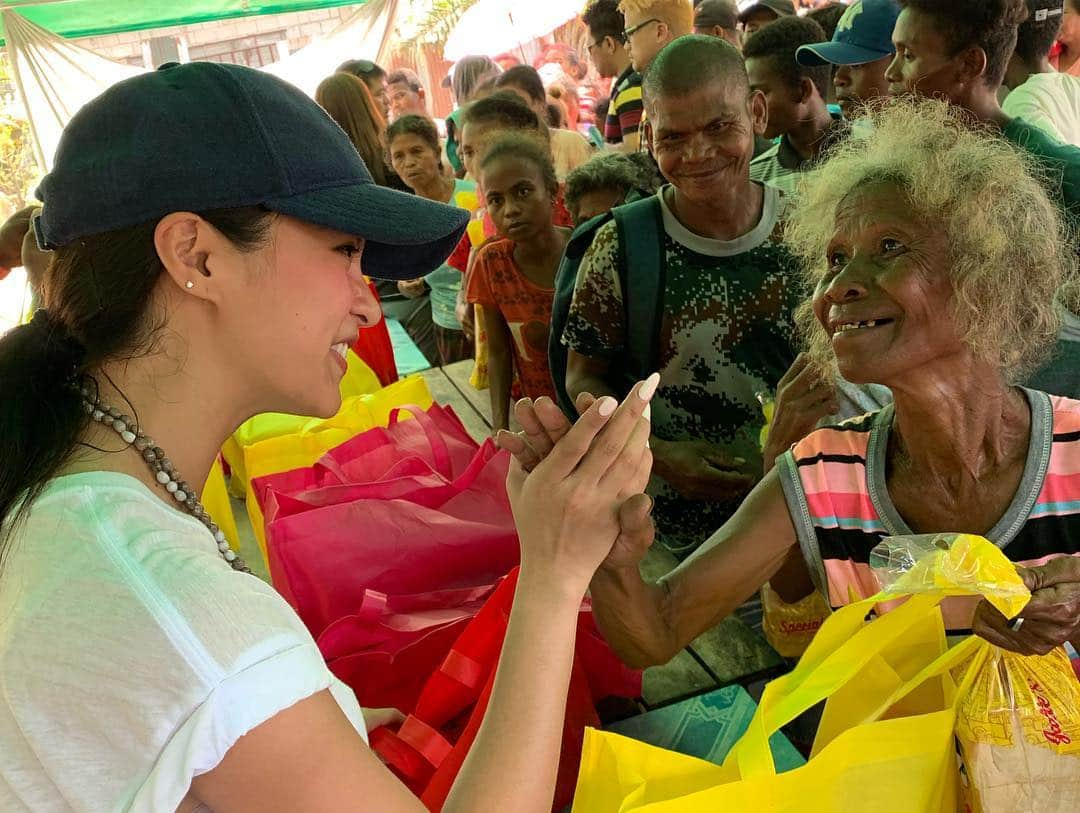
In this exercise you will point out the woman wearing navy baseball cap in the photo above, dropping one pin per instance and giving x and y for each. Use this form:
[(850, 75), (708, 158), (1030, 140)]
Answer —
[(208, 225)]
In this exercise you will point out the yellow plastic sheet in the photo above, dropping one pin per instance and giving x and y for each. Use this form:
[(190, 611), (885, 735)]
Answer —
[(886, 742)]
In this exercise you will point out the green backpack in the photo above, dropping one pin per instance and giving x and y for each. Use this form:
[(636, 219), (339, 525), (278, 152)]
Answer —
[(641, 273)]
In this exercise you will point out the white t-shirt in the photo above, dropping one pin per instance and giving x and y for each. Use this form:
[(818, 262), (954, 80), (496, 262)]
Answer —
[(1049, 101), (132, 656)]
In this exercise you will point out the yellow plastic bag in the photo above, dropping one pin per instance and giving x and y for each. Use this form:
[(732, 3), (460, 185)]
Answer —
[(1019, 732), (886, 743), (316, 437), (883, 760), (359, 379), (949, 564), (215, 499), (1019, 725), (789, 628)]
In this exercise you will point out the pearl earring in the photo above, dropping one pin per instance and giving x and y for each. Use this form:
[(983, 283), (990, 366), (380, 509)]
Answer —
[(189, 285)]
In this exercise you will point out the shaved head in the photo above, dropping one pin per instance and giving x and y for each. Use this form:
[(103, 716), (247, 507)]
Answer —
[(689, 62)]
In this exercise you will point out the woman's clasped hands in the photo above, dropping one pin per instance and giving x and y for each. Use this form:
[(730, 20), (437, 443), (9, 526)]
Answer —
[(569, 484)]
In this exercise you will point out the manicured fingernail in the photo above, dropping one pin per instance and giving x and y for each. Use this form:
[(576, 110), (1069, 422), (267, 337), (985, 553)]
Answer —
[(648, 387), (607, 406), (647, 414)]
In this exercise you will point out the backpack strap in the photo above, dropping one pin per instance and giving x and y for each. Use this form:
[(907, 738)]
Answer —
[(641, 236), (565, 279)]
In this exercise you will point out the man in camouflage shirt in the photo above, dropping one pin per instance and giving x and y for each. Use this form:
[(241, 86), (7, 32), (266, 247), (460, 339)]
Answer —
[(726, 330)]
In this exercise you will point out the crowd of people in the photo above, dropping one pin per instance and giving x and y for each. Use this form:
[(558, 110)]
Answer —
[(866, 214)]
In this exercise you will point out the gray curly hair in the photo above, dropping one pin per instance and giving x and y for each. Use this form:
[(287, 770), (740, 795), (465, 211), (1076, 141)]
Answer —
[(1012, 255), (610, 170)]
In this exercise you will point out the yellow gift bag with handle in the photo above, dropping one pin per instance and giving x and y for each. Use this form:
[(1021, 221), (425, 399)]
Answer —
[(359, 379), (316, 437), (886, 742)]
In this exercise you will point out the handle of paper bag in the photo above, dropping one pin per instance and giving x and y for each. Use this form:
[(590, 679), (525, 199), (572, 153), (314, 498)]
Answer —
[(440, 452), (816, 677)]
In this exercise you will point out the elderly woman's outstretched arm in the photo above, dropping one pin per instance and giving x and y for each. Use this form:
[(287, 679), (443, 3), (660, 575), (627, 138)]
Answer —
[(649, 623)]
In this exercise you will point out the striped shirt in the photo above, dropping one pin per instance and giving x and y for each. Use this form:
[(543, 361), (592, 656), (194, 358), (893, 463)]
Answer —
[(625, 108), (782, 166), (835, 487)]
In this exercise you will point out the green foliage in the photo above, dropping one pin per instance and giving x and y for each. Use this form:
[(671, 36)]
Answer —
[(18, 167), (439, 21)]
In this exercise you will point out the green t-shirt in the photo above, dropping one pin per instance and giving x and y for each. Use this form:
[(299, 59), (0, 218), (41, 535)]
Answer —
[(1061, 374), (726, 333), (1062, 160)]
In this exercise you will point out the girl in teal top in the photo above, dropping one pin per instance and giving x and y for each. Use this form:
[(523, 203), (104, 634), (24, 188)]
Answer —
[(413, 144)]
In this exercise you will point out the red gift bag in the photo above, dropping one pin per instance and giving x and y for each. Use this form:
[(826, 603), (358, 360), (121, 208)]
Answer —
[(412, 531), (429, 748), (435, 436), (373, 345), (386, 651)]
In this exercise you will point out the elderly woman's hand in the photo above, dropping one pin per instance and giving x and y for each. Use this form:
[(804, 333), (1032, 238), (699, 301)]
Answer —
[(1051, 617), (567, 508), (802, 400), (542, 425)]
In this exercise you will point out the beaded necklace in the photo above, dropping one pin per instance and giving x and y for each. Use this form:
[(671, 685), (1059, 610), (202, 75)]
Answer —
[(162, 469)]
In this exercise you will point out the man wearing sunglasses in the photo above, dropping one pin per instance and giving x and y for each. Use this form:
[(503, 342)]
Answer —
[(375, 79), (652, 24), (608, 54)]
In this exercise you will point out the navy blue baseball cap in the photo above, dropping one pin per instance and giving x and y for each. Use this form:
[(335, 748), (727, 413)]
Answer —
[(864, 34), (207, 136)]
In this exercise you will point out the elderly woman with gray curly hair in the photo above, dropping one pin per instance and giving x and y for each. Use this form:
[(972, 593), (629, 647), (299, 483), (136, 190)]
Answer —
[(937, 264)]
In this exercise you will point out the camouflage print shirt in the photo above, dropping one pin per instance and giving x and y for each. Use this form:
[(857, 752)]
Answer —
[(726, 333)]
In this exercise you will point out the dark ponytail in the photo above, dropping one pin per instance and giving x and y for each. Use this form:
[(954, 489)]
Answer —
[(97, 295)]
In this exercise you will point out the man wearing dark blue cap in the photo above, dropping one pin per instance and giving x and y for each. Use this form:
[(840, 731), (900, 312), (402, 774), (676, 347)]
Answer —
[(861, 49)]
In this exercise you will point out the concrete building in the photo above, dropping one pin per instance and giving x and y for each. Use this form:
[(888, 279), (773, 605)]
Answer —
[(251, 41)]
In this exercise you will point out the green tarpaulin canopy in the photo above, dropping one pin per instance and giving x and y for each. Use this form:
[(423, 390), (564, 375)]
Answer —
[(88, 18)]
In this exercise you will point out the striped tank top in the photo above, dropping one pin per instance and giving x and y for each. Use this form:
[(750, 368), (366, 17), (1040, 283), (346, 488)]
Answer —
[(834, 484)]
